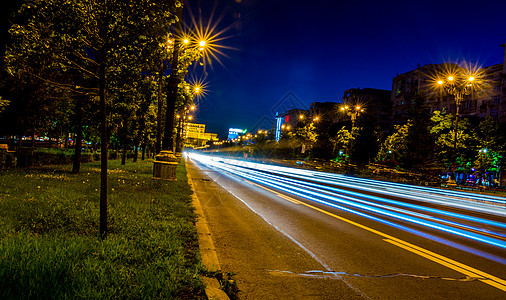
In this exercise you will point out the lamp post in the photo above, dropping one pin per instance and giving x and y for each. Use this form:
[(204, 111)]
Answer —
[(353, 111), (458, 84), (181, 116)]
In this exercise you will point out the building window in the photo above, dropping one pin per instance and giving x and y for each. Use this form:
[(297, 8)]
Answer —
[(399, 87), (496, 99)]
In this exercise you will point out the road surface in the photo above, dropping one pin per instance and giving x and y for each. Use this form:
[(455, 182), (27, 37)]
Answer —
[(298, 234)]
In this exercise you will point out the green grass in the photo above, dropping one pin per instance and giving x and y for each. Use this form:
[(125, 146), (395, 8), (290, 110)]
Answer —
[(49, 245)]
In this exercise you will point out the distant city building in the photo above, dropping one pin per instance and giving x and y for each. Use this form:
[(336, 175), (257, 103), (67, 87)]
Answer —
[(234, 133), (501, 84), (375, 102), (288, 120), (324, 111), (489, 102), (195, 135), (405, 86), (392, 107)]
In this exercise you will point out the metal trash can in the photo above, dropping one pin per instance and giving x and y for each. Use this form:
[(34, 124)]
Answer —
[(165, 165)]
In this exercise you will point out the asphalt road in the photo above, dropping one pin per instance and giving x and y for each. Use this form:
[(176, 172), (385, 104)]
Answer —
[(295, 234)]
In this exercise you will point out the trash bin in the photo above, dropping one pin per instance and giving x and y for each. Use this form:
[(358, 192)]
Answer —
[(165, 165)]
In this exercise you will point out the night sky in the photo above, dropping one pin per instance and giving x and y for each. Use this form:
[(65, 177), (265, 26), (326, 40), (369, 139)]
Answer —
[(316, 50)]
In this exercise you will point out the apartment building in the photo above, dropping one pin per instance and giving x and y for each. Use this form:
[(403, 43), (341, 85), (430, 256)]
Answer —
[(490, 100)]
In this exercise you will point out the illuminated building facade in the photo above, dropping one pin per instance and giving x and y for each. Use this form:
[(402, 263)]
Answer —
[(195, 135)]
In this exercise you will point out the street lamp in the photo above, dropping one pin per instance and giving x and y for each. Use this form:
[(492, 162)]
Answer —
[(353, 111), (192, 91), (458, 83)]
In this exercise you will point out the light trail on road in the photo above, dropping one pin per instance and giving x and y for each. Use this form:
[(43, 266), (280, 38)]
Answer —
[(323, 188), (459, 222)]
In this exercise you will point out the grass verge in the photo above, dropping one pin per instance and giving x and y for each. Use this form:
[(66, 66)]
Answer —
[(49, 245)]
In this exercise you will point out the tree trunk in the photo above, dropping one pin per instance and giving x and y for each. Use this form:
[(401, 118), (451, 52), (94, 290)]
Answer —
[(143, 151), (158, 146), (136, 153), (123, 156), (20, 140), (168, 139), (79, 136), (103, 150)]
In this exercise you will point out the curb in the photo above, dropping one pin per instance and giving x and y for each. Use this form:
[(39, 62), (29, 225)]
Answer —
[(207, 249)]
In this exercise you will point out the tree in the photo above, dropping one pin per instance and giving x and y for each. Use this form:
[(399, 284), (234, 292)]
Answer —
[(3, 103), (90, 41), (419, 142), (365, 144), (343, 141), (442, 127), (395, 145), (490, 142), (306, 135)]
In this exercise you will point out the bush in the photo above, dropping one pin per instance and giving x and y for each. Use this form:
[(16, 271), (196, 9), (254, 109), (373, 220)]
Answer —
[(27, 157)]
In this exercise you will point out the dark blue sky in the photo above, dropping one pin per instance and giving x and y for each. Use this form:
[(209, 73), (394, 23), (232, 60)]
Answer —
[(318, 49)]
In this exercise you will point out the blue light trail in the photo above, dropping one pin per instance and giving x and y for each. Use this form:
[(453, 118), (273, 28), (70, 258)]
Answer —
[(323, 188)]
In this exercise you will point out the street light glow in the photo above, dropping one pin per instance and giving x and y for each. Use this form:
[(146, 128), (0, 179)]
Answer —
[(460, 81), (198, 87)]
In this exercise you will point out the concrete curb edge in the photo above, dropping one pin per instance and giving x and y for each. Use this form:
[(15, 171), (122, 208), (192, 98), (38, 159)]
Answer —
[(207, 249)]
